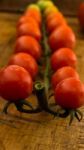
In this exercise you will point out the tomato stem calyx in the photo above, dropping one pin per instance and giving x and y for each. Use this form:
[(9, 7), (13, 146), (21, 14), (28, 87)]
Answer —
[(6, 107), (75, 114), (19, 105)]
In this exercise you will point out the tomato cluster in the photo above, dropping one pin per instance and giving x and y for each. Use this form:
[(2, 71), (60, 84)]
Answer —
[(62, 41), (16, 79), (68, 89)]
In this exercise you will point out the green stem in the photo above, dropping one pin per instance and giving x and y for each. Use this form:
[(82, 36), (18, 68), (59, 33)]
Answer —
[(47, 61), (41, 96), (43, 103)]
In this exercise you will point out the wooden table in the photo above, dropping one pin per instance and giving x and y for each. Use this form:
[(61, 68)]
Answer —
[(40, 131)]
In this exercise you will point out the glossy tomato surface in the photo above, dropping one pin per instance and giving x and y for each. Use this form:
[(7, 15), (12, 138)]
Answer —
[(62, 37), (24, 19), (54, 22), (52, 15), (63, 73), (69, 93), (30, 29), (15, 83), (26, 61), (34, 13), (28, 44), (63, 57)]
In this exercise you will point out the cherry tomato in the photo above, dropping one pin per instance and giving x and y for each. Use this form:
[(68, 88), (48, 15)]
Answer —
[(50, 9), (26, 61), (15, 83), (69, 93), (29, 28), (33, 6), (35, 13), (24, 19), (62, 37), (28, 44), (63, 57), (63, 73), (55, 22), (53, 15)]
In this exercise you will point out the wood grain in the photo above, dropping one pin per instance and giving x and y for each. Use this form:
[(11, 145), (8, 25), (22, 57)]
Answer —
[(40, 131)]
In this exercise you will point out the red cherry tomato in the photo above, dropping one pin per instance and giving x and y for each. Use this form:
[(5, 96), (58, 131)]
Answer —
[(63, 73), (28, 44), (55, 21), (81, 14), (30, 29), (52, 15), (69, 93), (26, 61), (63, 57), (62, 37), (34, 13), (15, 83), (24, 19)]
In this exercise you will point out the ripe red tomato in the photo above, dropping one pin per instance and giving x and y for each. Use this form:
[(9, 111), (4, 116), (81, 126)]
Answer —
[(62, 37), (26, 61), (52, 15), (63, 73), (15, 83), (69, 93), (55, 21), (30, 29), (28, 44), (24, 19), (35, 13), (63, 57), (81, 14)]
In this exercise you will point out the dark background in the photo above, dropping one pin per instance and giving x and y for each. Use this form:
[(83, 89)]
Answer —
[(68, 7)]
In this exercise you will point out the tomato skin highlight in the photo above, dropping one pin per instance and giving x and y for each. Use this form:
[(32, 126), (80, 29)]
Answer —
[(15, 83), (62, 37), (26, 61), (30, 29), (28, 44), (81, 14), (63, 57), (69, 93), (63, 73)]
